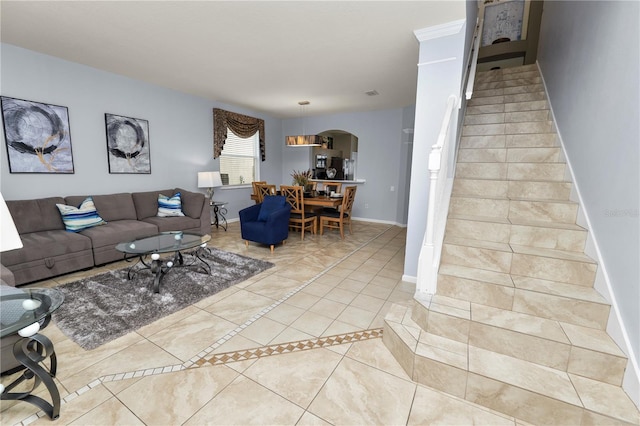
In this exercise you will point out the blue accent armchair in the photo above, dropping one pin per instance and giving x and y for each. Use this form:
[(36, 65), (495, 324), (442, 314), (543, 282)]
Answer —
[(267, 222)]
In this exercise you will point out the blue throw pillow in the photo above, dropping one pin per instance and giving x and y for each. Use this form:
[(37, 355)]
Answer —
[(270, 204), (169, 206), (78, 218)]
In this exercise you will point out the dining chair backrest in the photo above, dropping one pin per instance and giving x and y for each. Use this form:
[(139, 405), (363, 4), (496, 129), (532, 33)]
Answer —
[(312, 186), (255, 184), (294, 196), (264, 189), (332, 186), (347, 200)]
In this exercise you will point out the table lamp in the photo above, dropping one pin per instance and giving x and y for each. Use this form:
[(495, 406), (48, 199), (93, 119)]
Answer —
[(209, 180), (9, 237)]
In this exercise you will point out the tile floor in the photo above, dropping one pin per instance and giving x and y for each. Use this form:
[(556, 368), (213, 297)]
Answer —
[(297, 344)]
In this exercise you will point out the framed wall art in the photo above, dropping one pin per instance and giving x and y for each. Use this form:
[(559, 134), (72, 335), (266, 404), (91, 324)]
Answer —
[(37, 137), (127, 144)]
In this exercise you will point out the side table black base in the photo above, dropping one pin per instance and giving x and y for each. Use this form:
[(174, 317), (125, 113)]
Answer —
[(30, 352)]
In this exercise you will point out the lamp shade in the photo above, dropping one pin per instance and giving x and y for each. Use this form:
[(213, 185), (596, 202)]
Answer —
[(9, 237), (304, 140), (209, 179)]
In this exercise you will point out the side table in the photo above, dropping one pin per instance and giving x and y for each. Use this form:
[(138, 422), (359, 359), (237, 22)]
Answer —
[(219, 214), (23, 313)]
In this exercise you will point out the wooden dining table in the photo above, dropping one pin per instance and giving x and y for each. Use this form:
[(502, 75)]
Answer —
[(317, 201)]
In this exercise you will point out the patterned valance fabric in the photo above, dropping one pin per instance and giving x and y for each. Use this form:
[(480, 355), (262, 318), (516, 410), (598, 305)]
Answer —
[(242, 125)]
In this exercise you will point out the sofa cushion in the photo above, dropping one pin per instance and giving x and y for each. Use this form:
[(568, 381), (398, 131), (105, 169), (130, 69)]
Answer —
[(169, 206), (270, 204), (46, 244), (82, 217), (36, 215), (192, 203), (165, 224), (119, 231), (146, 203), (110, 207)]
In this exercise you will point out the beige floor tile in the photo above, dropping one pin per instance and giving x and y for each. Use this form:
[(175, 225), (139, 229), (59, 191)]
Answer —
[(359, 317), (312, 323), (191, 335), (358, 394), (368, 303), (240, 306), (263, 331), (111, 412), (309, 419), (431, 407), (374, 353), (296, 376), (146, 396), (245, 402), (285, 313), (340, 295), (328, 308)]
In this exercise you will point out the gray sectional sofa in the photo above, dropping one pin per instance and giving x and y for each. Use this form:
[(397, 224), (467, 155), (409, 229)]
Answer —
[(49, 249)]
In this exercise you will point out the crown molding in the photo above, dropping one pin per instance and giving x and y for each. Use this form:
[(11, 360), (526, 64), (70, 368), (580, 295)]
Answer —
[(440, 30)]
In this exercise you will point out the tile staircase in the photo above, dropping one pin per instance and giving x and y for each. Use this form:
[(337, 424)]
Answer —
[(515, 324)]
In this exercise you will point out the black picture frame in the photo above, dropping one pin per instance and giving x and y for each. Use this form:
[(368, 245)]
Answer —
[(37, 136), (128, 149)]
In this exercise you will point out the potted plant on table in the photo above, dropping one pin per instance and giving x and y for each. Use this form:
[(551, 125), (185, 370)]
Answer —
[(301, 178)]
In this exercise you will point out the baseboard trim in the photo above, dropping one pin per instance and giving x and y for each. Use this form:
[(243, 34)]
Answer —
[(615, 324), (386, 222)]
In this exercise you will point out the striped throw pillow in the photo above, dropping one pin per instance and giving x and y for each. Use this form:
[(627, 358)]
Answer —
[(78, 218), (169, 206)]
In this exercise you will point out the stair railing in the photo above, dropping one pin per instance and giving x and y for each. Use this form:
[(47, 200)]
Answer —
[(440, 184), (473, 60)]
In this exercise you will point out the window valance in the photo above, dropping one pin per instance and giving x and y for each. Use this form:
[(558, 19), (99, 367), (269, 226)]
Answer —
[(242, 125)]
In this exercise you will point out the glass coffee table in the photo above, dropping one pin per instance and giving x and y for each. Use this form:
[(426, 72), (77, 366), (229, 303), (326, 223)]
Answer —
[(23, 313), (191, 244)]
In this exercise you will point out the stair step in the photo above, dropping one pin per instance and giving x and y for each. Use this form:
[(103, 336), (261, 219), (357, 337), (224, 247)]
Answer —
[(488, 207), (507, 117), (531, 140), (536, 171), (480, 187), (496, 380), (485, 255), (543, 210), (510, 155), (493, 171), (506, 108), (516, 86), (523, 190), (497, 230)]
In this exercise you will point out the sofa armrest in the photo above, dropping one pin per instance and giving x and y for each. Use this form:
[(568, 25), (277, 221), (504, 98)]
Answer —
[(6, 276)]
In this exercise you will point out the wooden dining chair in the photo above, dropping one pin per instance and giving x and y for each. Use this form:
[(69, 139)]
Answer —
[(342, 217), (299, 219), (332, 186), (264, 189), (255, 188)]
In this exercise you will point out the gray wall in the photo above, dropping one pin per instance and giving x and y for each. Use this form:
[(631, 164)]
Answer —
[(589, 57), (181, 132), (180, 128), (380, 158)]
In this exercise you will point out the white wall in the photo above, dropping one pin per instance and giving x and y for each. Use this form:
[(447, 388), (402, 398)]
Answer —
[(589, 56), (180, 128)]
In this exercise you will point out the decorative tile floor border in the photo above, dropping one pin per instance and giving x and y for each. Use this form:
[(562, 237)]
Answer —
[(203, 357), (285, 348)]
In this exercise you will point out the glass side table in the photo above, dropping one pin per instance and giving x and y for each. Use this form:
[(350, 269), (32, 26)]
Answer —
[(219, 214), (24, 312)]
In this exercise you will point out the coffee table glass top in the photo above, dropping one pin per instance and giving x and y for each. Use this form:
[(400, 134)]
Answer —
[(165, 242), (22, 307)]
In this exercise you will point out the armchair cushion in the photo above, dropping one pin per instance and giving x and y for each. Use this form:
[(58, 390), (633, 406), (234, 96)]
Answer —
[(270, 204)]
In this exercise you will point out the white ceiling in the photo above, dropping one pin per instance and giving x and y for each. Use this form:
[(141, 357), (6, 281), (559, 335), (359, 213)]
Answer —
[(262, 55)]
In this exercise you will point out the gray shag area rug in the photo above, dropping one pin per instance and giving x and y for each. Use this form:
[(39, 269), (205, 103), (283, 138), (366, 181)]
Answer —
[(104, 307)]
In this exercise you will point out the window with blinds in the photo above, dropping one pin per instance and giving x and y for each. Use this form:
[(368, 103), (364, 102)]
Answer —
[(239, 159)]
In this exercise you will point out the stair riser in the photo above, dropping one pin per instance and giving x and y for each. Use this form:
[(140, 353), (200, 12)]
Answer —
[(531, 406), (548, 238), (476, 291), (543, 211), (572, 311), (564, 271), (403, 349), (440, 375), (553, 172), (473, 257), (477, 230), (508, 117), (495, 171), (488, 207), (507, 99), (560, 191), (527, 127), (531, 140), (441, 324), (510, 155), (480, 187), (514, 87)]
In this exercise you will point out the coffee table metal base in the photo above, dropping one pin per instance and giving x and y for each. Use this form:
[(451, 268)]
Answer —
[(160, 267), (31, 352)]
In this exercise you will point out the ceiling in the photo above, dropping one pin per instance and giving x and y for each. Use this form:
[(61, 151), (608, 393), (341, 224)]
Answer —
[(262, 55)]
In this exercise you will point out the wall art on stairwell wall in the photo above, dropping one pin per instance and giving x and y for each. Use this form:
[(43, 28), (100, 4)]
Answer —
[(127, 144), (37, 137)]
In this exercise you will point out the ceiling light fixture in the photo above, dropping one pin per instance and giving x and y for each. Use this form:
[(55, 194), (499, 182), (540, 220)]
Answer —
[(303, 140)]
